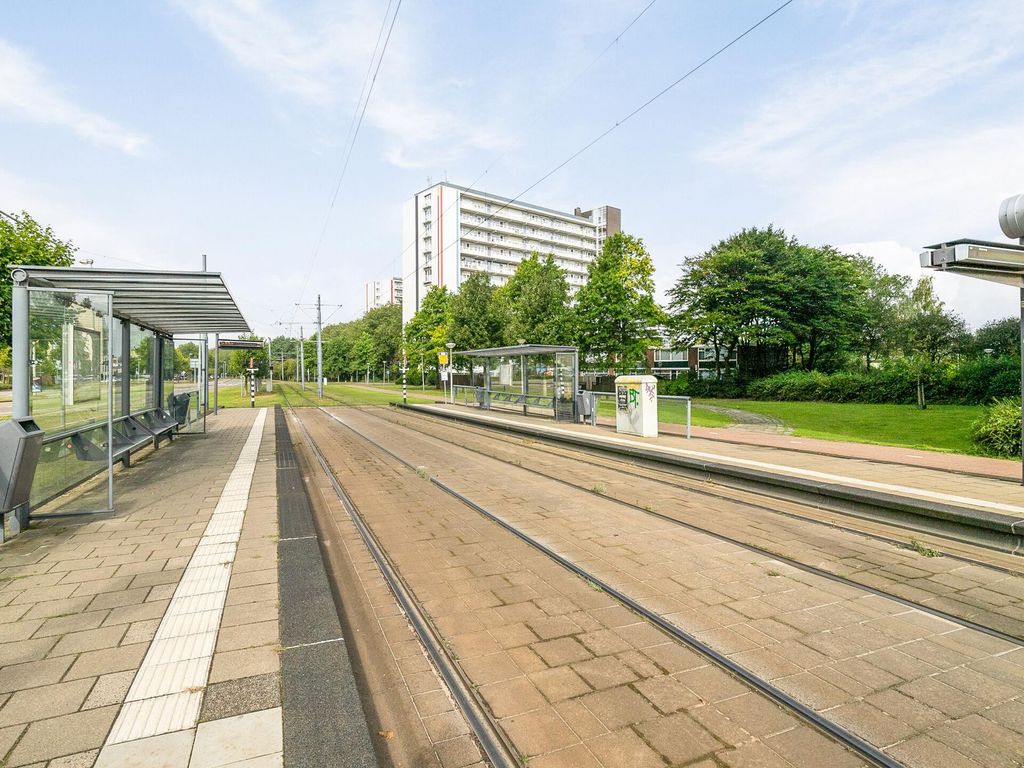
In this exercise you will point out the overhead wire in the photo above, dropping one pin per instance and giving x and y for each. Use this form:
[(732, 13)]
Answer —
[(547, 102), (620, 122), (353, 135)]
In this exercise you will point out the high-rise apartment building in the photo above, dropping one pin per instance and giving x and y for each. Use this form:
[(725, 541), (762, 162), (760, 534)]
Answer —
[(380, 293), (450, 232)]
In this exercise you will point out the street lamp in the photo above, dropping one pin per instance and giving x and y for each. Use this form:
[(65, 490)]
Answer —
[(996, 262), (451, 383)]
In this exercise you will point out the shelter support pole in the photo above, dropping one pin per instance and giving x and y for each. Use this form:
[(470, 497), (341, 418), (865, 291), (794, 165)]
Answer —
[(524, 376), (216, 370), (21, 387), (20, 364), (126, 367)]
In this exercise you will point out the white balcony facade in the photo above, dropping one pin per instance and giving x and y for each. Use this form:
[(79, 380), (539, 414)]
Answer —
[(450, 232)]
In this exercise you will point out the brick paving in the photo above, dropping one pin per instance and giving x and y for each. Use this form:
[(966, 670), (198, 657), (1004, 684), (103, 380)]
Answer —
[(416, 719), (572, 677), (990, 596), (81, 600), (913, 684)]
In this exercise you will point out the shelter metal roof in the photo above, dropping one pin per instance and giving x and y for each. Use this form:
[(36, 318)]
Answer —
[(164, 301), (518, 349)]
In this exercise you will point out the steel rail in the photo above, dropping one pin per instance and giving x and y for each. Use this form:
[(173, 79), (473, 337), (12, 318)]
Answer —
[(688, 483), (499, 752), (865, 750), (938, 613)]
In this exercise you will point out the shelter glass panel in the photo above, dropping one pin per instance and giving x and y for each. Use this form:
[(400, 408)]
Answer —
[(68, 343), (142, 369), (68, 356)]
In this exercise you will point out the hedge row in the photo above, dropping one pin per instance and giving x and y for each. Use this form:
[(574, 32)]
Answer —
[(976, 381), (998, 433)]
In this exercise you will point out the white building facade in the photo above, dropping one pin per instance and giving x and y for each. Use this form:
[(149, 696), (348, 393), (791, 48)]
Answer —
[(450, 232), (380, 293)]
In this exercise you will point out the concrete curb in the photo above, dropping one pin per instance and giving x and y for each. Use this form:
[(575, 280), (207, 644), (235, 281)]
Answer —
[(324, 721), (988, 529)]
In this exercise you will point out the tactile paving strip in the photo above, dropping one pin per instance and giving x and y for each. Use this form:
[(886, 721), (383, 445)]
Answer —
[(167, 691)]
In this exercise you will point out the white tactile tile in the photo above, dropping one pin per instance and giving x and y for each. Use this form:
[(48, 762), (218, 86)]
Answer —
[(181, 624), (149, 717), (167, 691), (165, 679)]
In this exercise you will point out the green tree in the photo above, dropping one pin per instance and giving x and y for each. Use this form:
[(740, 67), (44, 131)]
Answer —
[(615, 315), (1001, 336), (476, 317), (884, 295), (534, 303), (364, 353), (24, 241), (427, 331), (930, 332), (734, 294), (384, 325)]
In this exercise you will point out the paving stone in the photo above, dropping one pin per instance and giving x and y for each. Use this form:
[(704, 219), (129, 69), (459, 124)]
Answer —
[(169, 750), (58, 736), (233, 739), (512, 697), (88, 640), (101, 662), (33, 673), (20, 651), (539, 731), (559, 683), (678, 738), (247, 662), (617, 707), (45, 701), (624, 748), (110, 689), (241, 696)]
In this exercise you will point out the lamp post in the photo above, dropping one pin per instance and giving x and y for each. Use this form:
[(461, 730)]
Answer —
[(451, 382), (997, 262)]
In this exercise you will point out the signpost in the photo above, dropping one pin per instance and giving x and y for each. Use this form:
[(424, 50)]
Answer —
[(252, 383)]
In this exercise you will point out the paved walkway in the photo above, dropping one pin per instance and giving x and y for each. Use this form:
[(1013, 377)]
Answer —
[(149, 637), (929, 481)]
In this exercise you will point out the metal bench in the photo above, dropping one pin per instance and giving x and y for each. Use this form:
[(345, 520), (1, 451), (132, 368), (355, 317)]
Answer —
[(159, 422)]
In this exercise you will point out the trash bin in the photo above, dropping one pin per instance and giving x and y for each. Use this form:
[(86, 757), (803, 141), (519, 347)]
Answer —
[(21, 442), (179, 406)]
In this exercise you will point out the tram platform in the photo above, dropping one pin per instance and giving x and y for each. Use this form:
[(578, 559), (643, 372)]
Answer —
[(917, 483), (156, 635)]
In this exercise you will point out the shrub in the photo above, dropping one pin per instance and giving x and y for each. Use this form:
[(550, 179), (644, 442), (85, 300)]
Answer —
[(998, 432)]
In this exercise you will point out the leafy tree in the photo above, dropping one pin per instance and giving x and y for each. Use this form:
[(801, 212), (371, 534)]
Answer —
[(427, 332), (535, 303), (476, 318), (737, 293), (930, 332), (364, 353), (1001, 336), (384, 325), (616, 315), (24, 241), (884, 295)]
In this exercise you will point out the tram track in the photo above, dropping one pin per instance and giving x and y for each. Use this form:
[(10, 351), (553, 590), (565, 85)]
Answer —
[(494, 743), (746, 544), (822, 723), (808, 715)]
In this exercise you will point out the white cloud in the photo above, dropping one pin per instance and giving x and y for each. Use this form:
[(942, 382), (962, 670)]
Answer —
[(26, 93), (847, 97), (108, 244), (320, 55)]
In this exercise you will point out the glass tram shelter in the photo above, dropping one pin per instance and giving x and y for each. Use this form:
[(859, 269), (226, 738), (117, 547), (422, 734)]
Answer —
[(534, 378), (94, 365)]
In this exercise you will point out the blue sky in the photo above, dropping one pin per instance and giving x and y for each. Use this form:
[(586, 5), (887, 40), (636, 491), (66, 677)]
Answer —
[(151, 133)]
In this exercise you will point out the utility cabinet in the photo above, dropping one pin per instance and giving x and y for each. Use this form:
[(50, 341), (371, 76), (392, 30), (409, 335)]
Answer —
[(636, 405)]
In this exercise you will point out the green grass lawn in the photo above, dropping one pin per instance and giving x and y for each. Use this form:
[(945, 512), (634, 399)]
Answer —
[(937, 428), (334, 394)]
